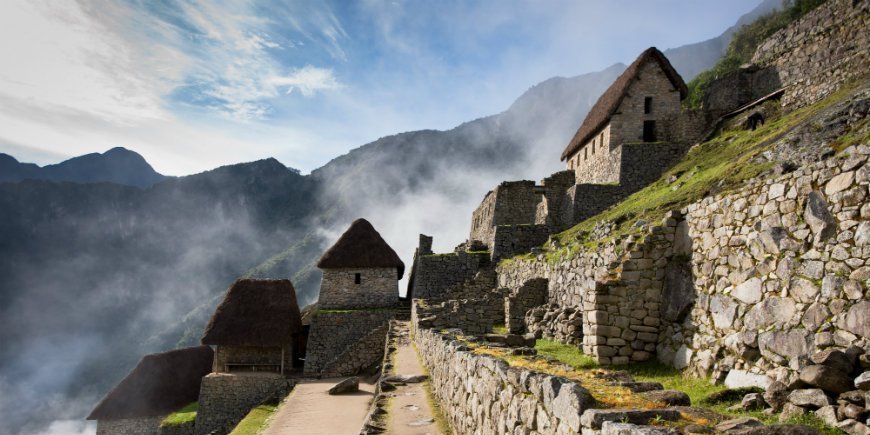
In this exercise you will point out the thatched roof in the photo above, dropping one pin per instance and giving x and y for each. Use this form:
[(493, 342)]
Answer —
[(160, 384), (361, 246), (255, 312), (600, 114)]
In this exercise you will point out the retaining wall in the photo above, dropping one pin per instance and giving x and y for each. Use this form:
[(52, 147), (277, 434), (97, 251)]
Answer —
[(131, 426), (333, 332), (225, 399), (494, 398)]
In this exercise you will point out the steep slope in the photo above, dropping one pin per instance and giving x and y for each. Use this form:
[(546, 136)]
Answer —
[(117, 165)]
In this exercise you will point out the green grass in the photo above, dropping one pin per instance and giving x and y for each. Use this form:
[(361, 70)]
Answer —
[(570, 355), (255, 421), (499, 329), (182, 416), (698, 389)]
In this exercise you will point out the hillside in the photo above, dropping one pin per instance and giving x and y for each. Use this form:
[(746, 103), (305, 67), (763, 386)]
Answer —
[(117, 165)]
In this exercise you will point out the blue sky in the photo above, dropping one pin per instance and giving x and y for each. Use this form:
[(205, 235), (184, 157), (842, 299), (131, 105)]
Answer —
[(195, 84)]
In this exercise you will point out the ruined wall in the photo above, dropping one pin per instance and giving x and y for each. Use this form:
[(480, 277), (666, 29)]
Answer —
[(379, 287), (552, 190), (333, 332), (366, 352), (434, 274), (131, 426), (531, 294), (472, 316), (644, 163), (729, 92), (781, 271), (820, 51), (225, 399), (510, 203), (617, 286), (250, 355), (494, 397), (509, 240)]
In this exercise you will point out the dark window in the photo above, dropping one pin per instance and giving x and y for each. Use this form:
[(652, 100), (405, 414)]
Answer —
[(357, 278), (593, 146), (585, 153), (649, 131), (647, 105), (601, 139)]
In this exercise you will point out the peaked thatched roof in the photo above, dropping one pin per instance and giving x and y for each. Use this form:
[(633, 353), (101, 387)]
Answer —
[(160, 384), (609, 101), (361, 246), (255, 312)]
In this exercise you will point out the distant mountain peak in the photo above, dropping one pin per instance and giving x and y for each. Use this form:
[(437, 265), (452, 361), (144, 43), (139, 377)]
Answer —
[(118, 165)]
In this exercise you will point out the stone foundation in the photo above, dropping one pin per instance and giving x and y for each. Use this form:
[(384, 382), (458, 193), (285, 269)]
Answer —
[(334, 332), (225, 399)]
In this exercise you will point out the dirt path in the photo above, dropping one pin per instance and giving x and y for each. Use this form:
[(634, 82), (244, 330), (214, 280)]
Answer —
[(309, 410), (410, 413)]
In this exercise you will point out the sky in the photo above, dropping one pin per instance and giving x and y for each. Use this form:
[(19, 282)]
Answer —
[(195, 84)]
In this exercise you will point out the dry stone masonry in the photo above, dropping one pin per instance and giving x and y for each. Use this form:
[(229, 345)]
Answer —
[(781, 272), (225, 399), (132, 426), (338, 331)]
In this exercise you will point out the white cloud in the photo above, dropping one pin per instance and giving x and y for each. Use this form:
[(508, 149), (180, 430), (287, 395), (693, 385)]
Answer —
[(308, 80)]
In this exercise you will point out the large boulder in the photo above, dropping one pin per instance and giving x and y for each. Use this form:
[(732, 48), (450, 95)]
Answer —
[(827, 378), (787, 345), (819, 218), (857, 320), (668, 397), (835, 359), (810, 398), (349, 385), (570, 403), (678, 293), (723, 309), (773, 310), (742, 378)]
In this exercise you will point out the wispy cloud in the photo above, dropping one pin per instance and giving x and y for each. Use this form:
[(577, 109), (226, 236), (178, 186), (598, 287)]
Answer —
[(308, 80)]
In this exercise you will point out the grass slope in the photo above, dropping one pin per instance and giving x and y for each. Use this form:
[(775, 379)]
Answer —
[(186, 415), (255, 421)]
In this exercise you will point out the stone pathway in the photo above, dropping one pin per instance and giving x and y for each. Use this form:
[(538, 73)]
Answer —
[(410, 413), (310, 410)]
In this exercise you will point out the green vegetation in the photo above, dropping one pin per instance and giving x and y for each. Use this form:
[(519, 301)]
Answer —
[(255, 421), (499, 329), (570, 355), (716, 166), (743, 45), (186, 415), (699, 390)]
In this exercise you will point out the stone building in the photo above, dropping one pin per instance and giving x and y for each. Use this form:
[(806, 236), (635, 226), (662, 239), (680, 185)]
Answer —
[(359, 294), (642, 105), (160, 384), (256, 327), (360, 271)]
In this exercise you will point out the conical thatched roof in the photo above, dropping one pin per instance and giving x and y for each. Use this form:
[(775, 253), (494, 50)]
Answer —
[(255, 312), (361, 246), (609, 101), (160, 384)]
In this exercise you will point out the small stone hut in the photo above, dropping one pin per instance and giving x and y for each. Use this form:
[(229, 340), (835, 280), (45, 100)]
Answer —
[(642, 105), (256, 327), (160, 384), (360, 271)]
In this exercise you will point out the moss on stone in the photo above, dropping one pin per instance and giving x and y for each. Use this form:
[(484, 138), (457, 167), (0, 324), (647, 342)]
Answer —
[(186, 415)]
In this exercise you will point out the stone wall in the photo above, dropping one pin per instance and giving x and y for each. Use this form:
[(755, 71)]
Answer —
[(131, 426), (510, 203), (253, 355), (186, 428), (553, 190), (781, 271), (225, 399), (472, 316), (365, 353), (562, 324), (510, 240), (333, 332), (378, 287), (644, 163), (598, 164), (435, 274), (495, 398), (618, 287), (531, 294), (816, 54), (729, 92)]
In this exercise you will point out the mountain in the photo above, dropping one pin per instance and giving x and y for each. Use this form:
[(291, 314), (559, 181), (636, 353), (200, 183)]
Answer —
[(102, 273), (117, 165)]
